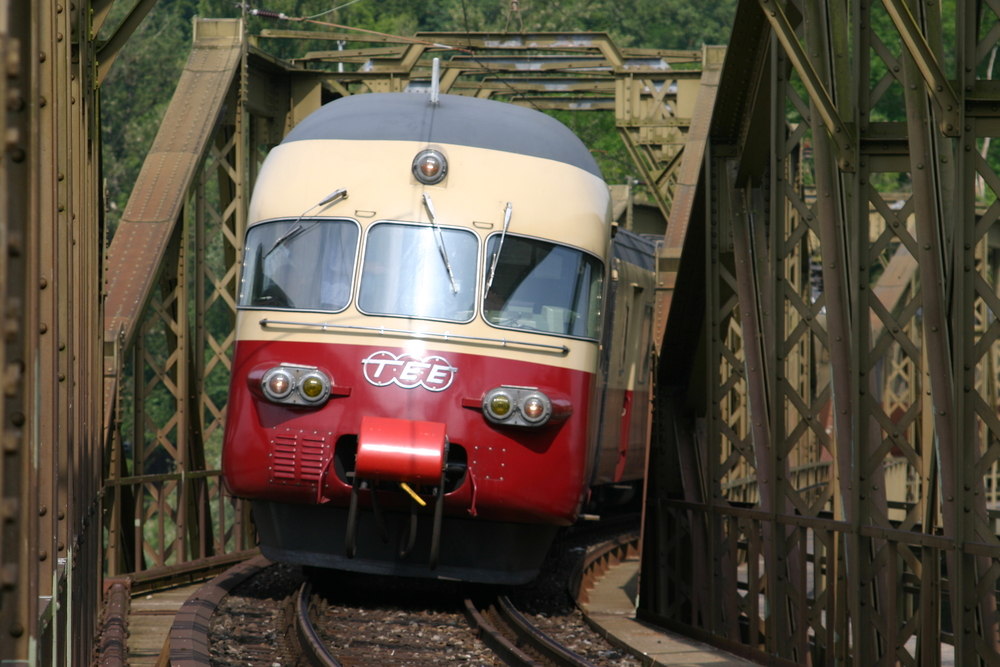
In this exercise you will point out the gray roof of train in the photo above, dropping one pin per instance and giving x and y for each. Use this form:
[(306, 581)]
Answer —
[(634, 249), (456, 119)]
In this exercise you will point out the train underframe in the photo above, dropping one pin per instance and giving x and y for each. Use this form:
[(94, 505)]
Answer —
[(402, 543)]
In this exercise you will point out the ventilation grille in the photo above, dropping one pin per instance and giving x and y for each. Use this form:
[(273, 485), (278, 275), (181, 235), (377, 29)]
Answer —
[(299, 458)]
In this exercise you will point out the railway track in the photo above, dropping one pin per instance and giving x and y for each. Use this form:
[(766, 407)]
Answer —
[(496, 622), (311, 648), (514, 637), (351, 622), (518, 640)]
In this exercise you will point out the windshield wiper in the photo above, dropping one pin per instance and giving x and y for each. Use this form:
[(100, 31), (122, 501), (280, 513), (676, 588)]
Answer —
[(290, 234), (439, 237), (496, 256), (340, 193)]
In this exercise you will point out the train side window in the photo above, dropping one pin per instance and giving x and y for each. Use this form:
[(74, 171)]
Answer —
[(304, 264), (543, 286), (418, 271)]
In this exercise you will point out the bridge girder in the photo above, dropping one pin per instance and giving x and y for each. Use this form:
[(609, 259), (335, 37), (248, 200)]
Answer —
[(839, 427)]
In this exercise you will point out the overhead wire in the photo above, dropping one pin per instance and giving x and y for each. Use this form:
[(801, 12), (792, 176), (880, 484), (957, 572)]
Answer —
[(281, 16), (514, 91), (469, 49), (332, 10)]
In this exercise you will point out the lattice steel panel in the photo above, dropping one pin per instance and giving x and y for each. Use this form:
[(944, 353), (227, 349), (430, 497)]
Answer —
[(847, 245)]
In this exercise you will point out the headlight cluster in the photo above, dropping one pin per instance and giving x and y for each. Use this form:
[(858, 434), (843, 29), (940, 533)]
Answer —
[(295, 385), (517, 406)]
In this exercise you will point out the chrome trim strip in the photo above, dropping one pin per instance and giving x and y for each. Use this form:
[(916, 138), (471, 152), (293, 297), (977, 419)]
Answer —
[(502, 342)]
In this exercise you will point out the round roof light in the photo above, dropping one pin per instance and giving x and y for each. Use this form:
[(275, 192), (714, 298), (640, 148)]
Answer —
[(430, 167)]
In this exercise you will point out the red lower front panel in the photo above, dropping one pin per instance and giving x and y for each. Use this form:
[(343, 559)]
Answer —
[(303, 454)]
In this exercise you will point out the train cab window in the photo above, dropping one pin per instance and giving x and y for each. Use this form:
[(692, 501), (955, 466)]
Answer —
[(543, 286), (419, 271), (304, 264)]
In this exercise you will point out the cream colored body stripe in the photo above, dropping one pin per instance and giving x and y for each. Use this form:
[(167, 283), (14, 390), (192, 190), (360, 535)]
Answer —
[(550, 199)]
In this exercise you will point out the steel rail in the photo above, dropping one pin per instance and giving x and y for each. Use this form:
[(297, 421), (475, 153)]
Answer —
[(596, 562), (494, 638), (311, 647), (507, 620), (527, 632)]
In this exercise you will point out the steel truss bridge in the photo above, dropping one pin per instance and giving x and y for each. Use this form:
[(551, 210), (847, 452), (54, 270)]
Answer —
[(823, 476)]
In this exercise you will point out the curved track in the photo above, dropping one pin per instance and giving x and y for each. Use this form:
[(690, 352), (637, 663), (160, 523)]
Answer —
[(496, 622), (512, 636), (516, 639), (312, 649), (491, 621)]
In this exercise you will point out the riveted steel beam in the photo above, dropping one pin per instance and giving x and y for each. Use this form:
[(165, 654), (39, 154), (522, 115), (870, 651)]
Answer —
[(187, 215), (50, 275), (158, 197), (927, 63), (107, 54), (682, 207), (16, 567), (841, 134)]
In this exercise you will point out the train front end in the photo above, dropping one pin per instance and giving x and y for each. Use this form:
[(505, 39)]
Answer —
[(417, 338)]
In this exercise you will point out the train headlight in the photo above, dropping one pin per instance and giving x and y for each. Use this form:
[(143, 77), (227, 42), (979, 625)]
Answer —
[(498, 404), (518, 406), (314, 387), (429, 167), (277, 383), (536, 408), (295, 384)]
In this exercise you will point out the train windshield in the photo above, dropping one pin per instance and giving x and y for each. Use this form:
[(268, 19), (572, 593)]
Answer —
[(305, 264), (542, 286), (405, 272)]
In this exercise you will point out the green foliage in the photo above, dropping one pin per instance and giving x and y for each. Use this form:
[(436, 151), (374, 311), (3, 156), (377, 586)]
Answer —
[(597, 130), (648, 23), (136, 94)]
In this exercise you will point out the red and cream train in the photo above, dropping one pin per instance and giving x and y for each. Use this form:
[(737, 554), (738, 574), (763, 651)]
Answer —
[(442, 350)]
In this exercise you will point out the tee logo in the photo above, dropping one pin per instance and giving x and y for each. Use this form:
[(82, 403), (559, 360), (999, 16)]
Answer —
[(433, 373)]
